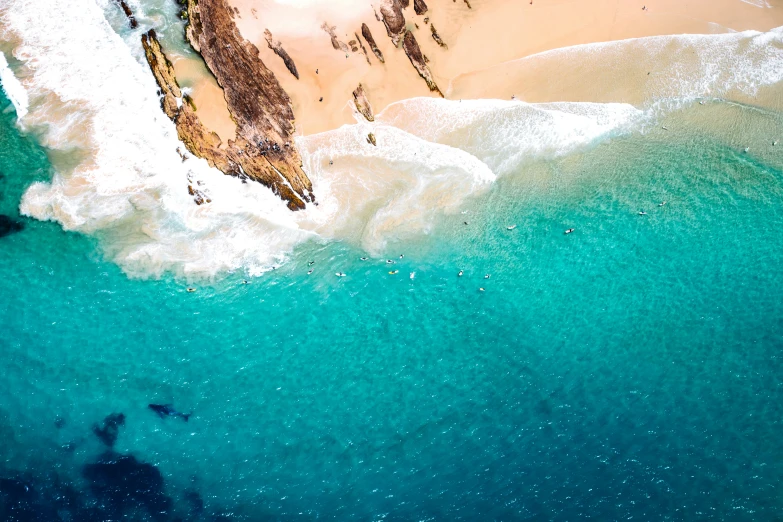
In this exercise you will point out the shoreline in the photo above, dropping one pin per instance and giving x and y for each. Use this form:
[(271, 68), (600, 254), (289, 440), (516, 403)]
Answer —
[(479, 61)]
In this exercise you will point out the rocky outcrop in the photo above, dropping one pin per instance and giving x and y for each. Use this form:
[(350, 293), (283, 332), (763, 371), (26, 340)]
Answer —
[(364, 50), (277, 47), (404, 3), (418, 60), (420, 7), (371, 42), (362, 103), (263, 149), (127, 10), (336, 43), (393, 19), (436, 37)]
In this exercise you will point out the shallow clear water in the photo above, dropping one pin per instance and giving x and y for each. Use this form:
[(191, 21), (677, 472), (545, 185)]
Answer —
[(628, 370)]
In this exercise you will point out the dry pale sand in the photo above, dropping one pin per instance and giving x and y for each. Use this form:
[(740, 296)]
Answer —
[(480, 42)]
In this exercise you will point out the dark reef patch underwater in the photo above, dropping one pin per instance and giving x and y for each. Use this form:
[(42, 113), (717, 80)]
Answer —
[(629, 370)]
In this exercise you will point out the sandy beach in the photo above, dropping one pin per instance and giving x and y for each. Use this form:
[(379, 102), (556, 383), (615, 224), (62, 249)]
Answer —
[(485, 43)]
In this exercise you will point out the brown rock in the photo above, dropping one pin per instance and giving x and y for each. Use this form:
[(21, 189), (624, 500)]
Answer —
[(418, 60), (362, 103), (371, 139), (404, 3), (371, 42), (393, 19), (420, 7), (336, 43), (277, 47), (468, 4), (436, 37), (163, 71), (256, 101), (198, 196), (364, 51), (127, 10)]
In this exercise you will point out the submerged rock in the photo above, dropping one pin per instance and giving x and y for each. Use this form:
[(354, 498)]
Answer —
[(110, 430), (121, 483), (127, 10), (9, 225), (277, 47), (362, 103), (371, 42)]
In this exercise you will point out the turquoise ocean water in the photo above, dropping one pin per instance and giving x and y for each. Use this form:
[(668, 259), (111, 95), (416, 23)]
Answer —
[(630, 370)]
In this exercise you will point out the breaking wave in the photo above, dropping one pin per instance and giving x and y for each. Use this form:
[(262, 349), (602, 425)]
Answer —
[(131, 188), (12, 88)]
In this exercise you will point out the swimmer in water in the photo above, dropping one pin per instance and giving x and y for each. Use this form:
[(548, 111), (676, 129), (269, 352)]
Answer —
[(511, 227), (244, 282), (191, 290), (310, 271), (662, 203), (569, 230), (481, 289), (402, 255), (642, 213), (392, 272), (389, 262), (340, 274), (310, 263), (363, 258), (487, 276), (460, 274)]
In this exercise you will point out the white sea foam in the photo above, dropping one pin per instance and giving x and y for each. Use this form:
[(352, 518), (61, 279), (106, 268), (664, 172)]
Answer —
[(682, 67), (94, 94), (13, 88), (504, 134), (757, 3)]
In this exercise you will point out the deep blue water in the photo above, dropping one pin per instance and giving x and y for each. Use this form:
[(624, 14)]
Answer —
[(630, 370)]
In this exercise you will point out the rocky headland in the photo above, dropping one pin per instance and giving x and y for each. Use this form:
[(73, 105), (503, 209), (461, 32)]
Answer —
[(262, 149)]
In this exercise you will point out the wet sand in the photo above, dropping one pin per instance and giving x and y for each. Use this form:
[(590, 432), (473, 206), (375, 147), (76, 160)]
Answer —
[(482, 59)]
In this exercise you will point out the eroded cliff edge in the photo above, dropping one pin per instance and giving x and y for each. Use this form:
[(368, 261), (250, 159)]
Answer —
[(263, 149)]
